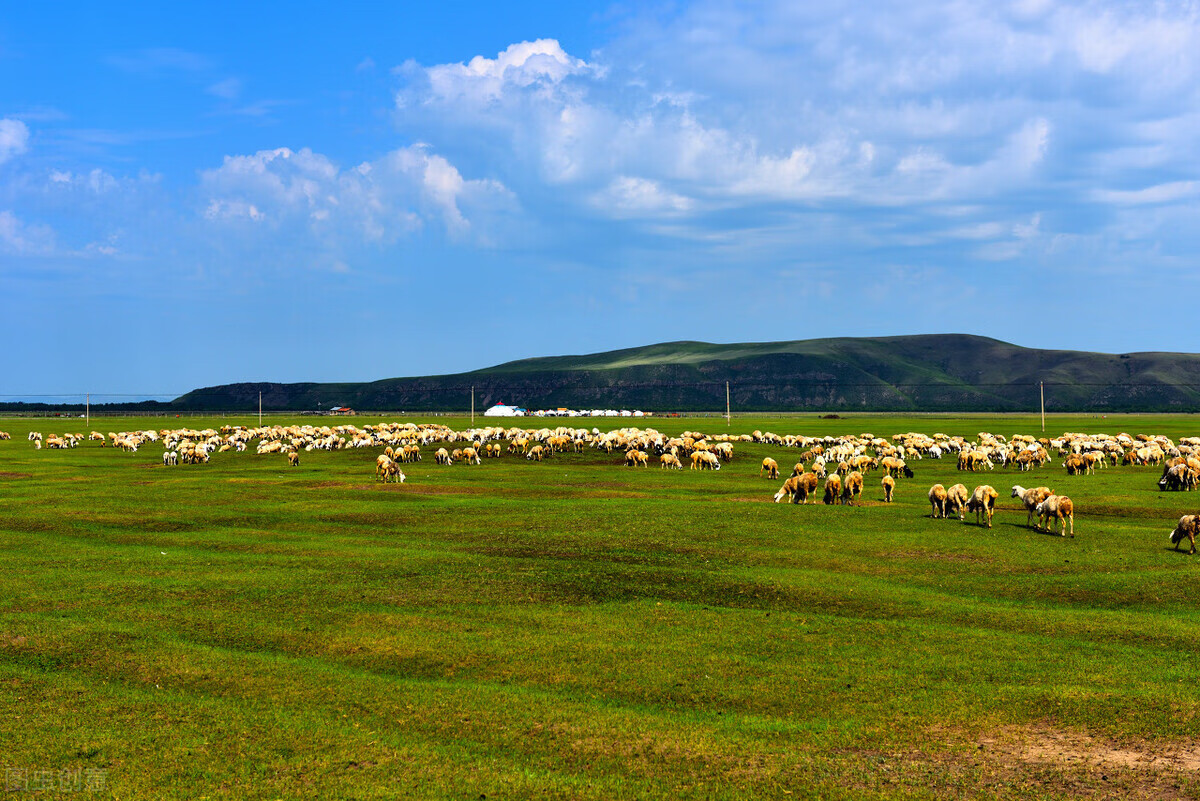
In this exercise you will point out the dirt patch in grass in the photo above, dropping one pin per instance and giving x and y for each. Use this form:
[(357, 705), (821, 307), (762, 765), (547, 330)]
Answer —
[(413, 489), (934, 555), (1047, 745), (16, 475), (419, 489), (1043, 759), (1020, 762)]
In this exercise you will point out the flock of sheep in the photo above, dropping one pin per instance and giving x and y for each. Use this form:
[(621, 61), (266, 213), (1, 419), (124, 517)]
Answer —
[(836, 465)]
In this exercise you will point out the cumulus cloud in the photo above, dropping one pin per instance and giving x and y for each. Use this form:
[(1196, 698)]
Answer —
[(540, 64), (990, 131), (14, 138), (380, 199)]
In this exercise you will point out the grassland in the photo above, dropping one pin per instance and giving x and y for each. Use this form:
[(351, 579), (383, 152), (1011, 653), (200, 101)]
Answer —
[(578, 629)]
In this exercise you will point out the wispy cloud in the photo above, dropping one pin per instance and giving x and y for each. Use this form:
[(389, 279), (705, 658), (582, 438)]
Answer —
[(227, 89), (161, 59)]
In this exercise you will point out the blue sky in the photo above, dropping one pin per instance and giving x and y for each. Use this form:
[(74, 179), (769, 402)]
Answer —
[(305, 192)]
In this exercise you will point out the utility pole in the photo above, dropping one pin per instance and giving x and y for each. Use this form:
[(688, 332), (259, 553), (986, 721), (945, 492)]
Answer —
[(260, 408), (727, 404), (1042, 387)]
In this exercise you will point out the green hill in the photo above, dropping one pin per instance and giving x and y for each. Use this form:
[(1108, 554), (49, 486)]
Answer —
[(945, 372)]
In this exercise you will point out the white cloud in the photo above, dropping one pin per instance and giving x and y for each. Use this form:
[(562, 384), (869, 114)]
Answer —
[(19, 238), (14, 138), (1161, 193), (524, 64), (227, 89), (629, 196), (380, 200)]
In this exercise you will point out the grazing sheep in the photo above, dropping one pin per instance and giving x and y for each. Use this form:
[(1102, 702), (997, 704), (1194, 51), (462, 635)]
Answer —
[(1188, 526), (382, 464), (1031, 498), (471, 455), (1179, 477), (956, 501), (790, 488), (852, 488), (771, 466), (170, 458), (1061, 508), (293, 459), (535, 454), (833, 489), (798, 469), (1075, 464), (889, 486), (635, 457), (443, 457), (670, 460), (983, 503), (798, 488), (863, 463), (389, 470), (703, 459)]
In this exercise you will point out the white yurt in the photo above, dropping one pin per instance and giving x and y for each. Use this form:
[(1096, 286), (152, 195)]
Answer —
[(502, 410)]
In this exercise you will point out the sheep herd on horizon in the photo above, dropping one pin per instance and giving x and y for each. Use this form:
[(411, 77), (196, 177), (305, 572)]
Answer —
[(835, 466)]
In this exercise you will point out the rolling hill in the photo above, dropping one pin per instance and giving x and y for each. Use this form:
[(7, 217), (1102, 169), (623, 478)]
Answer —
[(937, 372)]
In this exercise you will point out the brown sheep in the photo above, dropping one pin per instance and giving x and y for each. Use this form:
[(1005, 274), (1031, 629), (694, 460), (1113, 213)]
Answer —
[(863, 463), (956, 500), (798, 488), (670, 460), (1060, 507), (1031, 498), (1179, 477), (471, 455), (889, 486), (937, 499), (798, 469), (852, 488), (1187, 527), (771, 466), (983, 503), (790, 488), (833, 489), (442, 457), (386, 468), (293, 459), (1075, 464)]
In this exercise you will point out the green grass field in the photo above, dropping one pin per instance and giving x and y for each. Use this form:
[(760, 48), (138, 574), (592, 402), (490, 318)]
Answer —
[(579, 629)]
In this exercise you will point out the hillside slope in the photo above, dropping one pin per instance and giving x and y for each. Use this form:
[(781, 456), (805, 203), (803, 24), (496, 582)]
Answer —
[(946, 372)]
